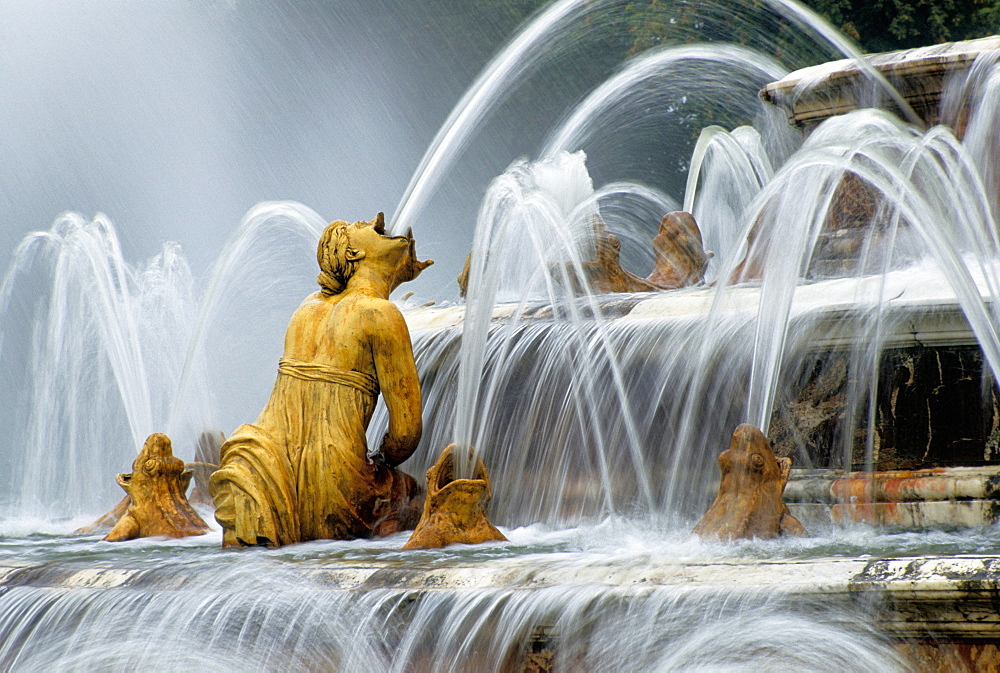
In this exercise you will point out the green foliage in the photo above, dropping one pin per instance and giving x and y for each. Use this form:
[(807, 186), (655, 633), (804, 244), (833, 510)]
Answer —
[(651, 21), (885, 25), (876, 25)]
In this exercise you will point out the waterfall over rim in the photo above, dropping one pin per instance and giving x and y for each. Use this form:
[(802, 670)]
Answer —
[(849, 309)]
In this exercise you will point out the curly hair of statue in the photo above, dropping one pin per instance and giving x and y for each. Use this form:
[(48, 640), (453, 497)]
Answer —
[(337, 259)]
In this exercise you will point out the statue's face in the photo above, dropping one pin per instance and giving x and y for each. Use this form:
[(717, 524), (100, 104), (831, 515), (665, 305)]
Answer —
[(750, 454), (370, 238)]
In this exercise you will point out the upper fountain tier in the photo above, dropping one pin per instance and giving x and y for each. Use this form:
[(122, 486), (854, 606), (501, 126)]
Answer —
[(934, 315), (920, 75)]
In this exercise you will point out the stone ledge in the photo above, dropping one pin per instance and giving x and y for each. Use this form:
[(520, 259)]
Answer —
[(916, 316), (929, 596), (815, 93), (915, 499)]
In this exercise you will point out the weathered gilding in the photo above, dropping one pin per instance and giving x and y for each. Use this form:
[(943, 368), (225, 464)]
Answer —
[(156, 488), (301, 471), (749, 502), (455, 509)]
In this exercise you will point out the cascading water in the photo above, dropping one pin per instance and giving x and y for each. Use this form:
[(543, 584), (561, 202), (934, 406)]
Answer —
[(302, 609), (118, 352), (736, 167), (600, 418), (103, 331)]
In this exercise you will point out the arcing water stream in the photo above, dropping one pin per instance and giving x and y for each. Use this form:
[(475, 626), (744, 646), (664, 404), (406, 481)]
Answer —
[(600, 417)]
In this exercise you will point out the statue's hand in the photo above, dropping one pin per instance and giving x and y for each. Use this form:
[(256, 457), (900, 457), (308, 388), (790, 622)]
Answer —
[(387, 453), (410, 267)]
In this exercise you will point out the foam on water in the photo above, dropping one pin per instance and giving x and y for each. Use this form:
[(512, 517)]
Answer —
[(600, 427), (271, 610)]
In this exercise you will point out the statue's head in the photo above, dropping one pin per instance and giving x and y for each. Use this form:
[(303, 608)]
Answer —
[(155, 461), (343, 246), (751, 461), (337, 258)]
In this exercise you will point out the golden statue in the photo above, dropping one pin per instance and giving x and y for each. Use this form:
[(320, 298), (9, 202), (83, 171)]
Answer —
[(301, 471), (455, 509), (155, 504), (749, 502)]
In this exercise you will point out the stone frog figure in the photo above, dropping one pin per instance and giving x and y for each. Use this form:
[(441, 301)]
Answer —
[(680, 259), (455, 509), (156, 487), (302, 471), (749, 502)]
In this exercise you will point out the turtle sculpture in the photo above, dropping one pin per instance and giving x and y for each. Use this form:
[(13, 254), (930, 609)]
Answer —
[(749, 502)]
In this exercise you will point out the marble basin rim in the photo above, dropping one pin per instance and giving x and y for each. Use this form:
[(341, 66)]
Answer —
[(941, 596)]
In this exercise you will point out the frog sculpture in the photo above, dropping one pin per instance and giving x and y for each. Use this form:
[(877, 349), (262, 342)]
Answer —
[(157, 504), (749, 502), (680, 259), (455, 509)]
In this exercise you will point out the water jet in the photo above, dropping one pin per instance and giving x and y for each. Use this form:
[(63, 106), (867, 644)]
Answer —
[(862, 336)]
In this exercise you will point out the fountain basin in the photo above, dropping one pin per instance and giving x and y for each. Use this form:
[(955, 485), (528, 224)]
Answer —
[(813, 94), (943, 596), (933, 607), (933, 316), (935, 437)]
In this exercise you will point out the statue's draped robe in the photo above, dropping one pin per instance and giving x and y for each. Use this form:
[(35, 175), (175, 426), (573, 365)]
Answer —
[(301, 471)]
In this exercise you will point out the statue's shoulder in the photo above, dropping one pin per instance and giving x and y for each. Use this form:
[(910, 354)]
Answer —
[(314, 300), (375, 308), (313, 307)]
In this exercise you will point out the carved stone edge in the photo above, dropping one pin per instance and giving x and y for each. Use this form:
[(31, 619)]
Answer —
[(926, 320), (927, 596), (948, 596), (915, 499), (821, 91)]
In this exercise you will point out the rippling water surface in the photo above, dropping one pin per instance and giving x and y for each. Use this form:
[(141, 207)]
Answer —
[(28, 542), (582, 598)]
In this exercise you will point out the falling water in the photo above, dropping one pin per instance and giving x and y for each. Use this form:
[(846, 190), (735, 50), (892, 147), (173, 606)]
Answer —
[(727, 172), (118, 352), (760, 337), (979, 91), (642, 85), (295, 609), (100, 365), (599, 417), (531, 237), (558, 31), (201, 383), (923, 177)]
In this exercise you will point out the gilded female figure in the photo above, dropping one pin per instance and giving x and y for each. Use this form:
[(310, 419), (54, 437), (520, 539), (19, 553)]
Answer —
[(301, 471)]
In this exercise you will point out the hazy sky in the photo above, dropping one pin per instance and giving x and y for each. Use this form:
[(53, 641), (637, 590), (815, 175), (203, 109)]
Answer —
[(174, 118)]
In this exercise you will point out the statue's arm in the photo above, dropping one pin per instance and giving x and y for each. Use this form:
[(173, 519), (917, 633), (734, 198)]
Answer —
[(397, 377)]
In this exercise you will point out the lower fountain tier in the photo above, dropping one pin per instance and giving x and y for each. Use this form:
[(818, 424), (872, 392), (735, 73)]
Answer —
[(951, 497), (942, 597)]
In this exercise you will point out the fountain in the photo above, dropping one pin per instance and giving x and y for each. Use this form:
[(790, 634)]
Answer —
[(303, 470), (849, 310)]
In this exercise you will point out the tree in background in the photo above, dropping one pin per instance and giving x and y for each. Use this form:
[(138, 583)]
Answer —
[(876, 25), (887, 25)]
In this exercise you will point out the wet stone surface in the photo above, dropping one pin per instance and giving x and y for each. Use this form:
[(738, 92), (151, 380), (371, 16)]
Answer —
[(936, 407)]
